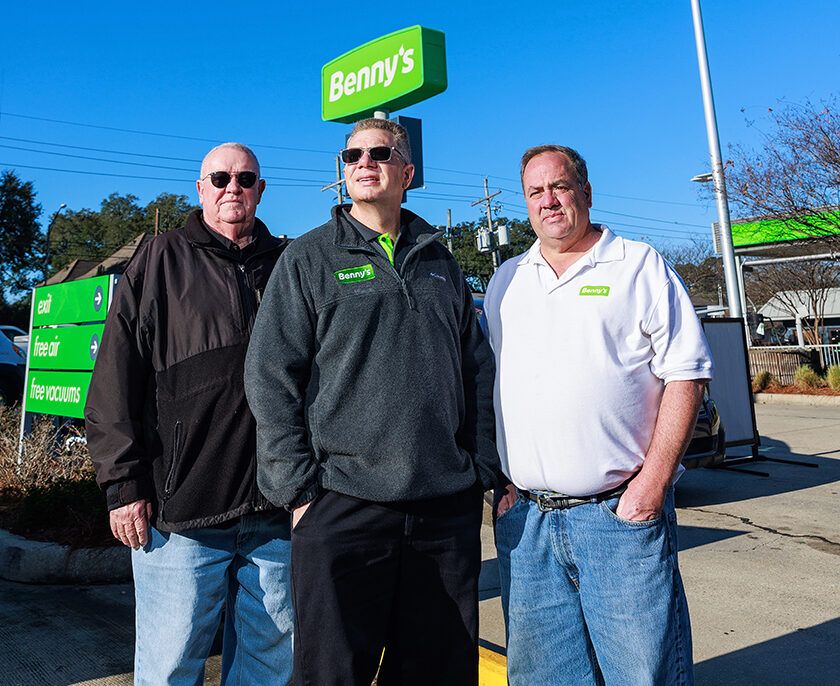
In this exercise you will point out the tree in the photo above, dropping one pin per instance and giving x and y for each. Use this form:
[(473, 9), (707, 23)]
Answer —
[(94, 235), (77, 235), (122, 219), (21, 241), (478, 267), (795, 287), (698, 267), (795, 176), (173, 210)]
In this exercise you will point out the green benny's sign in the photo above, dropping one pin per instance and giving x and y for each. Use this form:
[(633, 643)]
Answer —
[(388, 73)]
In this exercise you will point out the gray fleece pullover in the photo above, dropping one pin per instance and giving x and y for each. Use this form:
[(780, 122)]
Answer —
[(367, 381)]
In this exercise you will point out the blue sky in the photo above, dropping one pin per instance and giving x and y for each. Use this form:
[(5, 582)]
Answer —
[(618, 81)]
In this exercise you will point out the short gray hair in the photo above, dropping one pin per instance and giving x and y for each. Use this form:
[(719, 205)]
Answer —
[(241, 147), (573, 155), (401, 141)]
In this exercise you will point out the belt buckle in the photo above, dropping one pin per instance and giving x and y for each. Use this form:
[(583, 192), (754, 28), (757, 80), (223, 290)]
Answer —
[(545, 503)]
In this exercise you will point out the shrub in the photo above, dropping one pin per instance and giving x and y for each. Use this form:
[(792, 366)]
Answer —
[(805, 377), (762, 380), (49, 492), (832, 375)]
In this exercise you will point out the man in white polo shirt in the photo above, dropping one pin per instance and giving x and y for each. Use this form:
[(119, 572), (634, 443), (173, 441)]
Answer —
[(601, 364)]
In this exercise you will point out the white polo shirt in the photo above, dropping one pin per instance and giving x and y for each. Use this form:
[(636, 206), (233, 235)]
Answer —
[(582, 362)]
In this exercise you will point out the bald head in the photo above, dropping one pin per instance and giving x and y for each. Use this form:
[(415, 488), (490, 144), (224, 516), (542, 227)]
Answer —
[(207, 162)]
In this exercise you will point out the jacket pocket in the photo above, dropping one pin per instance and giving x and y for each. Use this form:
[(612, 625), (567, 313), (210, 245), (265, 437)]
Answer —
[(172, 475)]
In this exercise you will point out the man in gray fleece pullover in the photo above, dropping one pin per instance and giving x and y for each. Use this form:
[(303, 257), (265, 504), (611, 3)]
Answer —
[(372, 384)]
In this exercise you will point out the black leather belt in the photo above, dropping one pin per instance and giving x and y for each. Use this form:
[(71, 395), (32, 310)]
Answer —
[(546, 502)]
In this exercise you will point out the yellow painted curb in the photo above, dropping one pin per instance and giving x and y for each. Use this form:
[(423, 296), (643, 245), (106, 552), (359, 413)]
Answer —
[(492, 668)]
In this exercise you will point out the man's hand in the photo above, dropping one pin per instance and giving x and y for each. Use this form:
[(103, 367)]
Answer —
[(130, 523), (642, 501), (645, 495), (298, 512), (505, 499)]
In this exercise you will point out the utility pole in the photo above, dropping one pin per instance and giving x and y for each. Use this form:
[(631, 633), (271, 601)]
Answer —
[(486, 238), (449, 229), (338, 185), (157, 220)]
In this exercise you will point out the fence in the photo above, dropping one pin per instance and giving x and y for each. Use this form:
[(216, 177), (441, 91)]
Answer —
[(783, 361)]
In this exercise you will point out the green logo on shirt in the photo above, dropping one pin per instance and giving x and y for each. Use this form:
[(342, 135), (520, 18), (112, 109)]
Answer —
[(595, 290), (355, 274)]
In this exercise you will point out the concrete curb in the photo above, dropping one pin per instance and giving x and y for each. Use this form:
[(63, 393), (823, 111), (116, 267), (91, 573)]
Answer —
[(37, 562), (796, 399), (492, 668)]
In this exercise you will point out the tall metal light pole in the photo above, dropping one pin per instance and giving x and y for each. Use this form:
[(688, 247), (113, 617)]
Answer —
[(733, 290), (47, 251)]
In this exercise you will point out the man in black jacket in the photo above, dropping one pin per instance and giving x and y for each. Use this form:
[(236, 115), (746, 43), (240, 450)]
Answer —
[(372, 387), (173, 440)]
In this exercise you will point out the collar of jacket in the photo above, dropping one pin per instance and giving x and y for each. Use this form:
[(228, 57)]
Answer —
[(200, 236), (347, 237)]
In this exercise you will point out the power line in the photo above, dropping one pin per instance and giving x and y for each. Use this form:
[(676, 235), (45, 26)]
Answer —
[(672, 232), (95, 159), (688, 234), (156, 133), (133, 164), (13, 165), (626, 197), (139, 154), (305, 183), (652, 219), (631, 216)]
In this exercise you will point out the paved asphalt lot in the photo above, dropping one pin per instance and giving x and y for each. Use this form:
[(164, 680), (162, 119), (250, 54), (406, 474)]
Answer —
[(760, 558)]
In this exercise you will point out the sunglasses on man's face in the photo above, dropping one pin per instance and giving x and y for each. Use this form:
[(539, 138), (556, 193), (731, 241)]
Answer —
[(221, 179), (378, 153)]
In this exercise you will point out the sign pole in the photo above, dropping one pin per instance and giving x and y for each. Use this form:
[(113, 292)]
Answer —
[(25, 421), (733, 295)]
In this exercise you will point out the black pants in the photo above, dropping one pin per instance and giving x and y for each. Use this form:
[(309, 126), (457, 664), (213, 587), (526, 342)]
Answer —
[(402, 577)]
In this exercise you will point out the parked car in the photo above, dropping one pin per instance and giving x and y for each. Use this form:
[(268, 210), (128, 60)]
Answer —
[(17, 336), (478, 303), (708, 444), (12, 372)]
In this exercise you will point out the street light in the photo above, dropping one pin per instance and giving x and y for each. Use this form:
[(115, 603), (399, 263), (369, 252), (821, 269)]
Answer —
[(733, 291), (49, 229), (718, 241)]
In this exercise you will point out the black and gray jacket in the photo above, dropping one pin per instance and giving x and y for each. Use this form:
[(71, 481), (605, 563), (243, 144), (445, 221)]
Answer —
[(367, 381), (166, 414)]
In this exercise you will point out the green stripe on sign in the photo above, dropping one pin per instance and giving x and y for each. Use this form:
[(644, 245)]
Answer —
[(65, 347), (59, 393), (355, 274)]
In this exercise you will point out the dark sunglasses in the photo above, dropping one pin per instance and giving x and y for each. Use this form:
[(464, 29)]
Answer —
[(221, 179), (378, 153)]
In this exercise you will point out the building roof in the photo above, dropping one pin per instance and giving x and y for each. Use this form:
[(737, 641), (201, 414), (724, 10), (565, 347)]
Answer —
[(114, 264), (776, 309), (75, 270)]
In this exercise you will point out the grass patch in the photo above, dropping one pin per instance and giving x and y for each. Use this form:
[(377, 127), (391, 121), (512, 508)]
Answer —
[(832, 376), (805, 377), (762, 380)]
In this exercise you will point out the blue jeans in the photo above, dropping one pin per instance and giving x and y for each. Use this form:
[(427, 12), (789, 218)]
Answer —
[(589, 598), (183, 580)]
